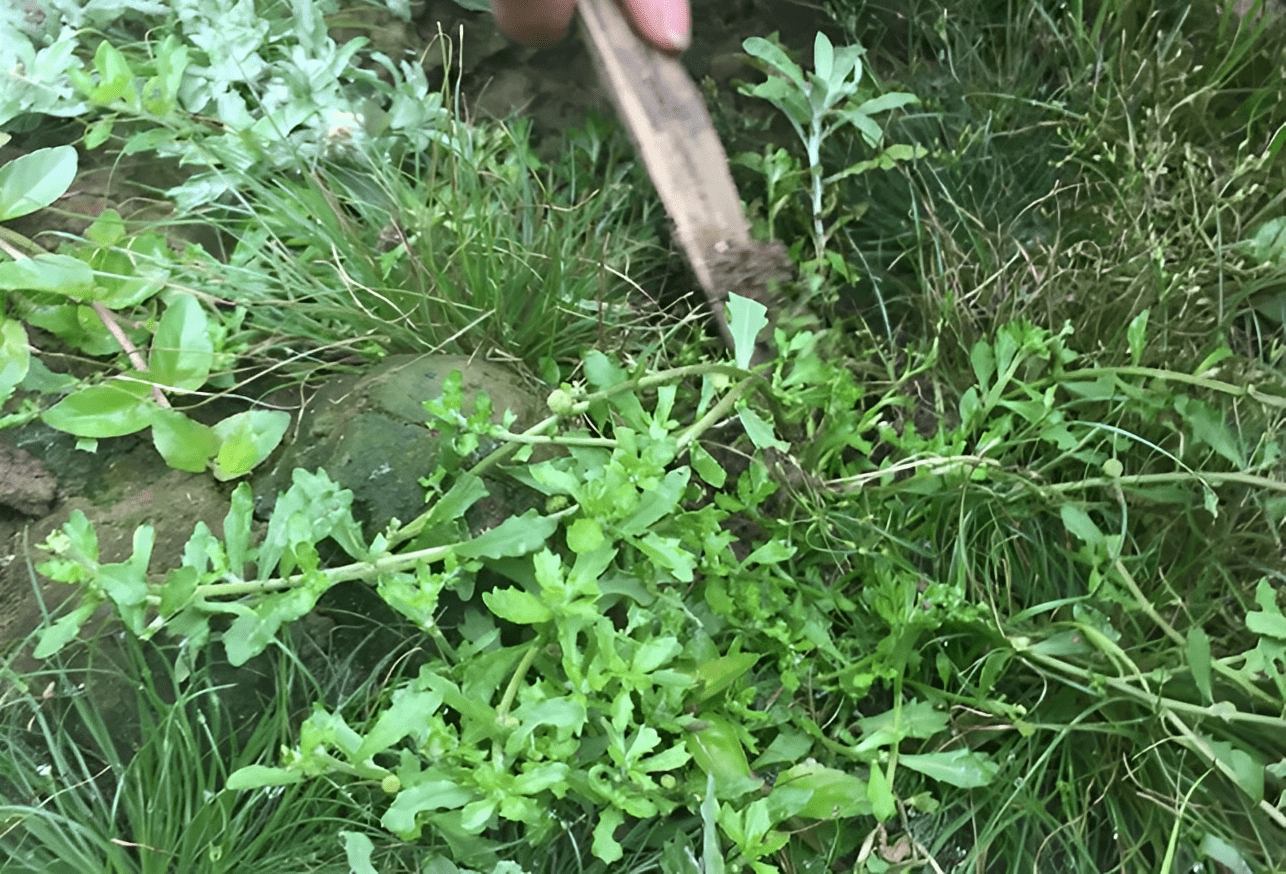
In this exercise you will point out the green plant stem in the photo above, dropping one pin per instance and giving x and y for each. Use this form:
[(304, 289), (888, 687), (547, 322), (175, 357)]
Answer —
[(1145, 479), (1156, 702), (1174, 376), (1201, 746), (814, 147), (361, 570), (515, 682), (714, 414)]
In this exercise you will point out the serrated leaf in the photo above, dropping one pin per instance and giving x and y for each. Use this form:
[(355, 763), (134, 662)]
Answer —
[(409, 714), (401, 818), (517, 535), (517, 605), (62, 632), (358, 849), (605, 845), (759, 431), (758, 47), (964, 769), (236, 528)]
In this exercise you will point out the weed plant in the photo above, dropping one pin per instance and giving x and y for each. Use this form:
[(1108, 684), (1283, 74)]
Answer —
[(983, 573)]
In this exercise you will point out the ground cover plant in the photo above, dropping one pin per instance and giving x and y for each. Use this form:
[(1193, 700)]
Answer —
[(983, 572)]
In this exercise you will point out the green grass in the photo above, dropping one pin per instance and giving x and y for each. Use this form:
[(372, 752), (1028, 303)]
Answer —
[(140, 788), (1016, 578)]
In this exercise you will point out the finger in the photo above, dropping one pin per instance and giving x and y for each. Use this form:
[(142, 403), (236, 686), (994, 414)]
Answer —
[(666, 24), (539, 23)]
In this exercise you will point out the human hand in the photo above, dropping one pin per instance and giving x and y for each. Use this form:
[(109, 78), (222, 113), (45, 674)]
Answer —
[(666, 24)]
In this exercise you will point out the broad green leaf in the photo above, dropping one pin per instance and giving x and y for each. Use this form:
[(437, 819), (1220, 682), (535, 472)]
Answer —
[(35, 180), (62, 632), (1268, 244), (97, 132), (705, 466), (718, 674), (126, 582), (476, 814), (1137, 336), (466, 491), (656, 503), (823, 57), (885, 102), (236, 528), (1224, 853), (259, 776), (113, 409), (883, 805), (758, 47), (746, 318), (177, 590), (115, 77), (1210, 426), (107, 230), (182, 351), (56, 274), (918, 719), (759, 431), (516, 605), (1079, 523), (182, 442), (964, 769), (246, 439), (407, 715), (983, 359), (716, 748), (15, 356), (1268, 621), (605, 845), (252, 631), (517, 535), (402, 816), (357, 852), (1240, 767), (1198, 649), (835, 794), (584, 535), (668, 553)]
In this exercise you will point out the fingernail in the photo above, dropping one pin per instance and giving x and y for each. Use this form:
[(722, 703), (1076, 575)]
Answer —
[(677, 24)]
